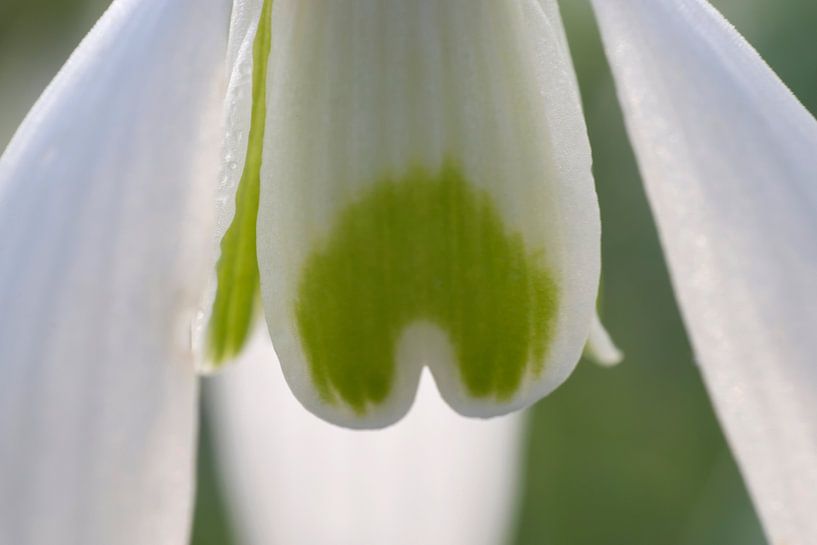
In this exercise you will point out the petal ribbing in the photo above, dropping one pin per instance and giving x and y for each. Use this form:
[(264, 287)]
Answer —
[(728, 157), (104, 199), (426, 199), (435, 478)]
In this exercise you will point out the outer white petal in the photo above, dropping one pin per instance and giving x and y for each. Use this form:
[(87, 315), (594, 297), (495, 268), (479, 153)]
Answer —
[(435, 478), (104, 193), (364, 90), (729, 157)]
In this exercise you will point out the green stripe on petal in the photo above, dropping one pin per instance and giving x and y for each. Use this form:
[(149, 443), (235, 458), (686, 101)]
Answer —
[(238, 288)]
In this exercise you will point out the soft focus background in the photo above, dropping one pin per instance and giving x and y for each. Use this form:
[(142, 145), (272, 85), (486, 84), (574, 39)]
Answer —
[(631, 455)]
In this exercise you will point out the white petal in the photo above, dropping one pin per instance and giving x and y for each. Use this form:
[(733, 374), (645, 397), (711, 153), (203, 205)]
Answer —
[(435, 478), (104, 199), (600, 346), (243, 21), (729, 157), (368, 96)]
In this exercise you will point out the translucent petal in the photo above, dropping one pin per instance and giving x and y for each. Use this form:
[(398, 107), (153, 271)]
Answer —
[(426, 199), (728, 157), (243, 22), (105, 194), (435, 478)]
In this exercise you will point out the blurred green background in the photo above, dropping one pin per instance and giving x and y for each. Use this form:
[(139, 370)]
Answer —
[(631, 455)]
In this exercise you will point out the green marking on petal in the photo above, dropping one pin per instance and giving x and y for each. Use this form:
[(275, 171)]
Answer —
[(237, 270), (425, 247)]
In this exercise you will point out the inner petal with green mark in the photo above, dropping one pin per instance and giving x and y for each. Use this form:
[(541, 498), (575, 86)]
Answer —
[(426, 246), (421, 181), (237, 294)]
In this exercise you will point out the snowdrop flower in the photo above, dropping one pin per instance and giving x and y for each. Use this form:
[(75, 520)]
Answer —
[(404, 184)]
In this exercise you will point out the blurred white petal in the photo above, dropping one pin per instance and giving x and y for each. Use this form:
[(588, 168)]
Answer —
[(435, 478), (600, 346), (729, 158), (104, 199), (373, 107)]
